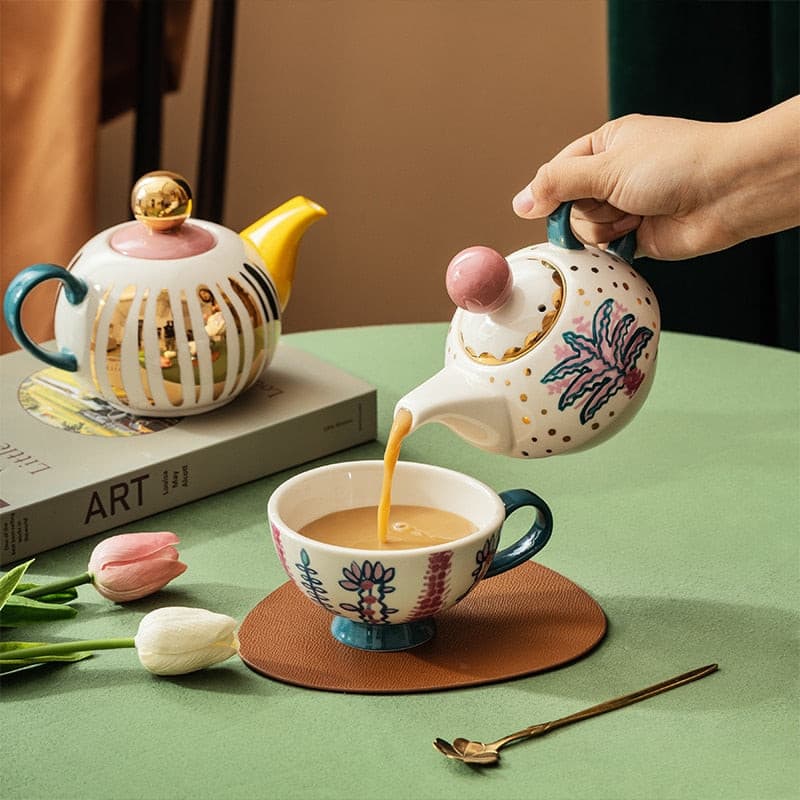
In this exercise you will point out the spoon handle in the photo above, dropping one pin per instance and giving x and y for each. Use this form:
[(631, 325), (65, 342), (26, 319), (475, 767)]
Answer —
[(611, 705)]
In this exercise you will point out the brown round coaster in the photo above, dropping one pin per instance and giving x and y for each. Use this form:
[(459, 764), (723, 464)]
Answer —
[(523, 621)]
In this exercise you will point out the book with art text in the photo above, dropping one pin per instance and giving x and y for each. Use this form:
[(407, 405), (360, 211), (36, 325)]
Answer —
[(72, 466)]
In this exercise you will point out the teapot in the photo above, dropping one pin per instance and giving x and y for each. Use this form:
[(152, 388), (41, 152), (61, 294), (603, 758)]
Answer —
[(552, 349), (165, 316)]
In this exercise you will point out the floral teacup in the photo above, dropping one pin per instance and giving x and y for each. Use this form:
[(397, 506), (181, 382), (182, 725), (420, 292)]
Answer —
[(385, 599)]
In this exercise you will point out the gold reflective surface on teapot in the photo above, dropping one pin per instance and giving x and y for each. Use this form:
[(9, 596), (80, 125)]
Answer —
[(207, 341)]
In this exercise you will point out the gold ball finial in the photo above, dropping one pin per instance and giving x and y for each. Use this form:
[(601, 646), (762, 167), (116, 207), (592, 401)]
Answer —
[(162, 200)]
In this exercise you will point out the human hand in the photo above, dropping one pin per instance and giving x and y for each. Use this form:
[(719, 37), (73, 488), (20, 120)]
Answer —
[(687, 187)]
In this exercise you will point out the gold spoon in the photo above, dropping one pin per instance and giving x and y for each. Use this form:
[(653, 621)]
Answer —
[(483, 754)]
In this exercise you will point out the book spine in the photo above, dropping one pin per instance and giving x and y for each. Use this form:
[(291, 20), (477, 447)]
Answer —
[(120, 500)]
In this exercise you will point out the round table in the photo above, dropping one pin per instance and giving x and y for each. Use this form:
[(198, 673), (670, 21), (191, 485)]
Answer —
[(684, 528)]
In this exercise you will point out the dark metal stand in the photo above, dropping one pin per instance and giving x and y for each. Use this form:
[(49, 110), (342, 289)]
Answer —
[(216, 110), (213, 160), (149, 89)]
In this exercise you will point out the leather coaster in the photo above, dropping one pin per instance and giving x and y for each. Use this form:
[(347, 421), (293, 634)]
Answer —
[(523, 621)]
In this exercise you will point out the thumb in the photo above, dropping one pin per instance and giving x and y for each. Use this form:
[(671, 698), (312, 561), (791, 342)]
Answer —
[(562, 179)]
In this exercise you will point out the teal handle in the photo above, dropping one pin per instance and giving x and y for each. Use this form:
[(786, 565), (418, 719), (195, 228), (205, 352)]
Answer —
[(559, 233), (533, 541), (74, 289)]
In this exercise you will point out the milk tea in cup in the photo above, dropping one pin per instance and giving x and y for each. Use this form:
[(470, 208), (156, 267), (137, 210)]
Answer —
[(407, 527)]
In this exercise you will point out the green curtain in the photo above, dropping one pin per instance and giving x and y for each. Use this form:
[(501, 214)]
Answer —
[(715, 61)]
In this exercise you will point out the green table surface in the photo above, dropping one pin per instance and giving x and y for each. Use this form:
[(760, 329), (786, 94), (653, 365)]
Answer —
[(684, 528)]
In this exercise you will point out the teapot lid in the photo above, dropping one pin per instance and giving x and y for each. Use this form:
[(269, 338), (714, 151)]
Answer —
[(161, 202), (507, 306)]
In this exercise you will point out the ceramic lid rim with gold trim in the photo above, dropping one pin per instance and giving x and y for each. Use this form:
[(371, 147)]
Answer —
[(528, 339)]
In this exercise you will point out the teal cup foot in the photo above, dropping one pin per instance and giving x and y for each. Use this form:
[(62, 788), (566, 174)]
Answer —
[(383, 638)]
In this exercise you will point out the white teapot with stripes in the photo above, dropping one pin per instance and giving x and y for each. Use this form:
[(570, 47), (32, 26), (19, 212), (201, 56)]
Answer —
[(165, 315)]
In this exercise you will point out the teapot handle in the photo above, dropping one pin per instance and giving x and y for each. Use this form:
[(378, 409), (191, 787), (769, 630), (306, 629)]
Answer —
[(559, 233), (74, 289)]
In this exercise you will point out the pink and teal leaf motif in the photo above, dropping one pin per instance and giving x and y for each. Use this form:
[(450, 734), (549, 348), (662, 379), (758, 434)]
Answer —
[(601, 365), (371, 583), (436, 585), (483, 560), (311, 583), (484, 556), (276, 537)]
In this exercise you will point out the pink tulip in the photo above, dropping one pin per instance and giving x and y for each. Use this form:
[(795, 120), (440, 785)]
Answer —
[(133, 565)]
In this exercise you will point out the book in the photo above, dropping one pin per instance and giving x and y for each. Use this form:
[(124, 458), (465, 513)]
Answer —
[(72, 466)]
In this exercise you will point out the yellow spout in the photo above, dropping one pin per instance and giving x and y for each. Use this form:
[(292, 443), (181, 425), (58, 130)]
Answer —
[(276, 236)]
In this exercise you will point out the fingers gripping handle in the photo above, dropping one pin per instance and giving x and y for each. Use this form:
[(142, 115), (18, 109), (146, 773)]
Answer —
[(533, 541), (559, 232), (74, 289)]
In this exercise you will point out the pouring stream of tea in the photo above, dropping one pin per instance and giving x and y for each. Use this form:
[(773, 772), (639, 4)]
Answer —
[(401, 425)]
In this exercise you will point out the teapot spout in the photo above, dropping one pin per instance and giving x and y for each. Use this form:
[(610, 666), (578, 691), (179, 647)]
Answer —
[(277, 235), (472, 411)]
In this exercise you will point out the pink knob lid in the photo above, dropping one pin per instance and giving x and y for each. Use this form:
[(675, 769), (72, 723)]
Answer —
[(479, 280), (137, 240)]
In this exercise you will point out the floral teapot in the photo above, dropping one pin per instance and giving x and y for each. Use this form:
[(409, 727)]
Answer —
[(165, 316), (552, 349)]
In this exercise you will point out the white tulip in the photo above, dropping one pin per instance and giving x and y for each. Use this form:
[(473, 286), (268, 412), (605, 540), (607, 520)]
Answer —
[(176, 640)]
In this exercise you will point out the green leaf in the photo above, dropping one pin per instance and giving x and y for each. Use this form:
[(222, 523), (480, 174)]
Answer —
[(10, 580), (61, 596), (10, 664), (22, 610)]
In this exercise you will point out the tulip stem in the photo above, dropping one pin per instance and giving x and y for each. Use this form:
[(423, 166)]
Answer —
[(57, 586), (65, 648)]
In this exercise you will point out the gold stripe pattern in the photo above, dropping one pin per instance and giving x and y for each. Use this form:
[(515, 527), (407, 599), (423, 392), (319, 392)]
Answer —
[(140, 349), (116, 331), (93, 341)]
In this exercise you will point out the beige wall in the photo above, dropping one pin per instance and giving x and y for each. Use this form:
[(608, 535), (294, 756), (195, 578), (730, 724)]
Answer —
[(413, 123)]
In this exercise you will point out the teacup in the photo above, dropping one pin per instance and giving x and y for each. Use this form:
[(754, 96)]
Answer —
[(384, 599)]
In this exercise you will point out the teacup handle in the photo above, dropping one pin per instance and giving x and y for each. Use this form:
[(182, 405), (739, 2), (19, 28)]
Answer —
[(533, 541), (74, 289), (559, 233)]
